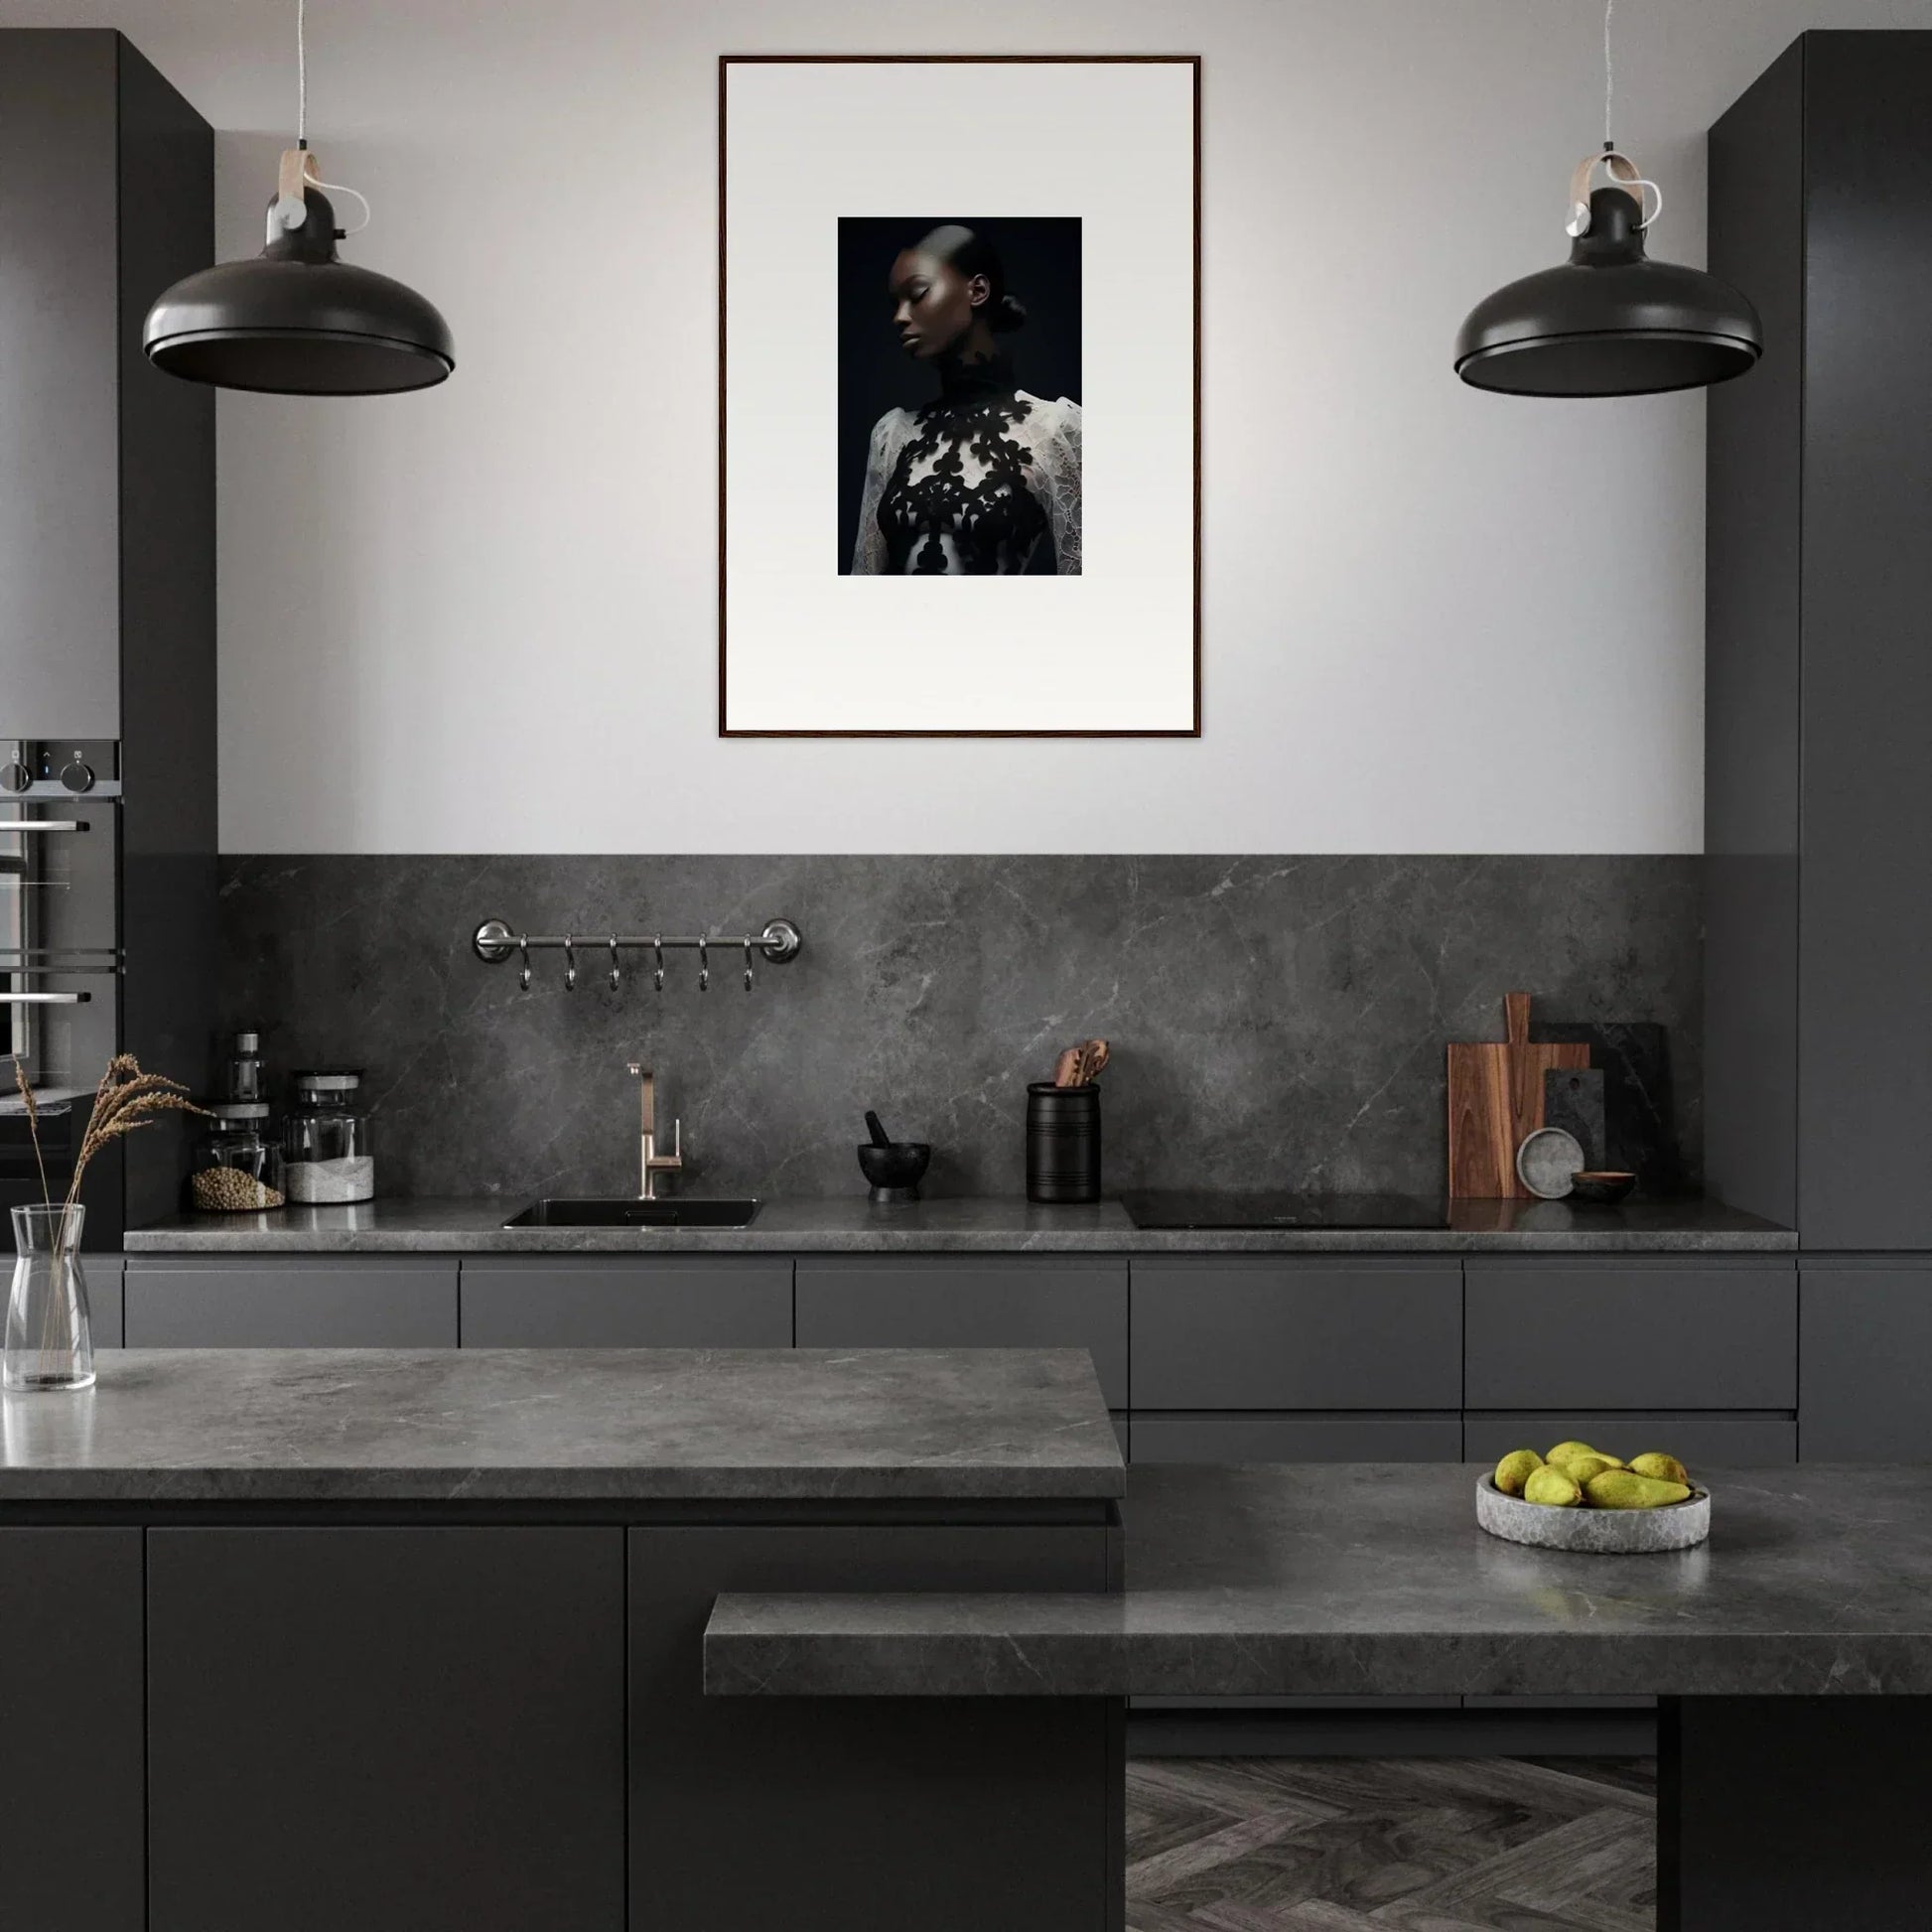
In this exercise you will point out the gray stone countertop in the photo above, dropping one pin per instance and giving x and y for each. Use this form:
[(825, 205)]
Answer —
[(536, 1426), (1373, 1579), (964, 1225)]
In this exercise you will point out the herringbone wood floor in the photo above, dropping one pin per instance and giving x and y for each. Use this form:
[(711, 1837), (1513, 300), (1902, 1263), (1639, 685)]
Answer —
[(1390, 1844)]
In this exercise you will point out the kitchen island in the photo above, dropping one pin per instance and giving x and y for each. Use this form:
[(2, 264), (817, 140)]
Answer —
[(1793, 1651), (392, 1638)]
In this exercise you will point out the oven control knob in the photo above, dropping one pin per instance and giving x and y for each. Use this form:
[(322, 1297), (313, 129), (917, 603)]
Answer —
[(77, 777), (15, 776)]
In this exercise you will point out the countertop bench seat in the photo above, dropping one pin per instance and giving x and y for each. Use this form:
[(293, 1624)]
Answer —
[(1373, 1579)]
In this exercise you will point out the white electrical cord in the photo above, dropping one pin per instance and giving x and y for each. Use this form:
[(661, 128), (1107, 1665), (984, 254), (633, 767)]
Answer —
[(1609, 75), (291, 211)]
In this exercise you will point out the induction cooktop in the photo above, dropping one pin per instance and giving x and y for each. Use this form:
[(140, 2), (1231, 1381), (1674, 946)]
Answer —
[(1185, 1209)]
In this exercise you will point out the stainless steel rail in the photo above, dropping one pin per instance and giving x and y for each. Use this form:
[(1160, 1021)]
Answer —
[(493, 942)]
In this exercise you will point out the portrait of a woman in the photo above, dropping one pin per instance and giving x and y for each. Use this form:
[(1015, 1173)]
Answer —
[(982, 478)]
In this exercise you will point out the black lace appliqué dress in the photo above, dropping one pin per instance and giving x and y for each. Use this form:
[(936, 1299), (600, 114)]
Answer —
[(969, 485)]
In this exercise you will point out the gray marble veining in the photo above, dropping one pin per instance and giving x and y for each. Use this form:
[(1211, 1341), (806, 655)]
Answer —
[(961, 1225), (1274, 1021), (558, 1425), (1373, 1579)]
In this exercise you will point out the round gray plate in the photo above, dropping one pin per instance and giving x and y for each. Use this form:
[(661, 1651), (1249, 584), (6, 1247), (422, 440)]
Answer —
[(1598, 1532), (1546, 1161)]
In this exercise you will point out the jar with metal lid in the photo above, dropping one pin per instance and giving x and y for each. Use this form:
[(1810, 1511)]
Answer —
[(238, 1160), (329, 1156)]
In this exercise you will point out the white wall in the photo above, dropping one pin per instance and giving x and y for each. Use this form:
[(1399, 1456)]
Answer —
[(482, 618)]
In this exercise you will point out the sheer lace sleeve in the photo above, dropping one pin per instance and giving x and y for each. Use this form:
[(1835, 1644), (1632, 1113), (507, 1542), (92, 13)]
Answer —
[(869, 555), (1058, 457)]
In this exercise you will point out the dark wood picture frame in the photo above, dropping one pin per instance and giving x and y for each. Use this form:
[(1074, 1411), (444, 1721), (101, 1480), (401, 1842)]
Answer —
[(728, 61)]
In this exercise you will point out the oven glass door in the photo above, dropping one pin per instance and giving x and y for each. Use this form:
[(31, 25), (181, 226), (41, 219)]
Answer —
[(59, 963)]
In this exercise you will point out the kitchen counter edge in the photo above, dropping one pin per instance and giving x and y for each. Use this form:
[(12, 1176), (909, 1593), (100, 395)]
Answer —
[(961, 1225)]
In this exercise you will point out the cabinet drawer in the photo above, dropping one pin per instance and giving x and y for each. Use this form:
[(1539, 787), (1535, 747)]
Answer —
[(652, 1304), (1297, 1439), (272, 1302), (1704, 1442), (103, 1273), (1268, 1334), (1867, 1334), (1018, 1302), (1632, 1335)]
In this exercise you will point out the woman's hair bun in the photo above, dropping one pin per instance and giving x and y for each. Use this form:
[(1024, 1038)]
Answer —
[(1007, 313)]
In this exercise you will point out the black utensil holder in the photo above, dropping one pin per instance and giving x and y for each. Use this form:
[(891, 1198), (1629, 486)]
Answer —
[(1063, 1143)]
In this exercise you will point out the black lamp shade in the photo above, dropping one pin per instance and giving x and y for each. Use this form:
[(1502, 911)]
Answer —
[(298, 321), (1609, 321)]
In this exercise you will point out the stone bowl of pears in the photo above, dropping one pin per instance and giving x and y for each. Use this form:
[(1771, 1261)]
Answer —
[(1581, 1498)]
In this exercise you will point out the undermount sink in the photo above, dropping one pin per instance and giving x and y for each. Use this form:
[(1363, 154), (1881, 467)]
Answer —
[(635, 1213)]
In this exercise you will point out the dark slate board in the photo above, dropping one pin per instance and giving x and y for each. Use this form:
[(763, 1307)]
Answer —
[(1639, 1117), (1572, 1099)]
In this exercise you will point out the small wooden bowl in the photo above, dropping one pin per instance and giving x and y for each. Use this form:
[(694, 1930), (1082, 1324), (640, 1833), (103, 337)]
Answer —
[(1602, 1186)]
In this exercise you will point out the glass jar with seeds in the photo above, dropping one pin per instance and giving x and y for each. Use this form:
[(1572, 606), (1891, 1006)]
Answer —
[(238, 1164)]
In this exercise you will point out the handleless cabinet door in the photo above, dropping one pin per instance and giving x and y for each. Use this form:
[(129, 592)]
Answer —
[(1297, 1439), (1704, 1440), (394, 1728), (942, 1301), (1268, 1333), (1866, 1338), (655, 1302), (60, 431), (1630, 1333), (71, 1766), (286, 1302)]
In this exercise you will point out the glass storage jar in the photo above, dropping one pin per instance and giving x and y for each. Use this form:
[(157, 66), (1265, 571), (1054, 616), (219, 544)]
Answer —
[(328, 1156), (238, 1162)]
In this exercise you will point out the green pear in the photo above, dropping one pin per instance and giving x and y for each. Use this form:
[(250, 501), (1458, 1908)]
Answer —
[(1549, 1485), (1666, 1468), (1624, 1489), (1515, 1469)]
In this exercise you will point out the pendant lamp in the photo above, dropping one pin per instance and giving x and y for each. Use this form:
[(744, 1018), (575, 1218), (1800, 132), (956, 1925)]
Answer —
[(1608, 322), (298, 321)]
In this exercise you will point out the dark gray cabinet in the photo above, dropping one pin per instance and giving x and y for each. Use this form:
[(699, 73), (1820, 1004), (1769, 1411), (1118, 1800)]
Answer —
[(288, 1302), (1630, 1335), (409, 1727), (1703, 1439), (72, 1777), (994, 1301), (103, 1273), (1297, 1439), (1280, 1332), (1865, 1349), (827, 1814), (663, 1302), (1818, 794)]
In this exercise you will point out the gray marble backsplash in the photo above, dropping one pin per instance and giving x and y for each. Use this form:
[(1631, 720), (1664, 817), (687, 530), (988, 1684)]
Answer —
[(1275, 1022)]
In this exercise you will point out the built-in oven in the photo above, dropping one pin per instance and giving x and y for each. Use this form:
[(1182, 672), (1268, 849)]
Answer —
[(61, 956)]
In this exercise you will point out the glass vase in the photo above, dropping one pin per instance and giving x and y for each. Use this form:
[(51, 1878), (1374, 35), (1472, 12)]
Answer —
[(50, 1338)]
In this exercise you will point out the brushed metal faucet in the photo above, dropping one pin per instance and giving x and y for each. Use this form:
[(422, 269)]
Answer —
[(650, 1162)]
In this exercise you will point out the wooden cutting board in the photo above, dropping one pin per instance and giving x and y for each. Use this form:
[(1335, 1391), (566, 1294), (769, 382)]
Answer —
[(1495, 1100)]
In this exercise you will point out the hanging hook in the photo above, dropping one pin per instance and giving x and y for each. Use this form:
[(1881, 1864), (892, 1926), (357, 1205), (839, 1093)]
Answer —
[(703, 965), (616, 971)]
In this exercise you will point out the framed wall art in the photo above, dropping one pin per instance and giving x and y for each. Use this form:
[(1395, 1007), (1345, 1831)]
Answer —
[(959, 396)]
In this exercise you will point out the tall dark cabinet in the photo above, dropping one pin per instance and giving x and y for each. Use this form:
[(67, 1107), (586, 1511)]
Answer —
[(1818, 715), (108, 692)]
